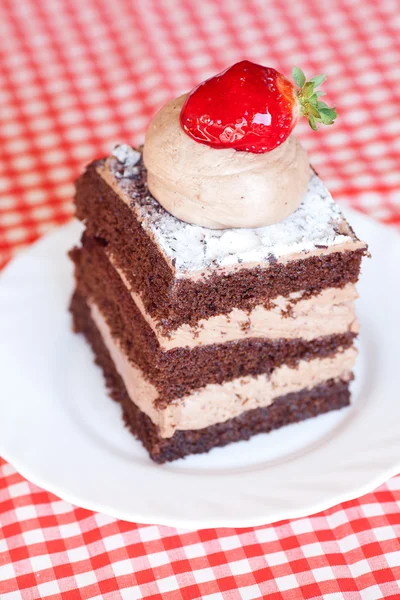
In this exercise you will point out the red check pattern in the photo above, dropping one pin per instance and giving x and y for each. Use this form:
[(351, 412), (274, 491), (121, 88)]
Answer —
[(77, 77)]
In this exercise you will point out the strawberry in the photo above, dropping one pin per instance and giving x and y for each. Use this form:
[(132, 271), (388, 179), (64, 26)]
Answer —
[(252, 108)]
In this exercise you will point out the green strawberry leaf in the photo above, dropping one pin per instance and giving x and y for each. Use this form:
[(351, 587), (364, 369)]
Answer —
[(330, 112), (312, 123), (298, 77), (318, 80), (307, 90), (326, 120), (313, 111), (327, 115), (311, 107)]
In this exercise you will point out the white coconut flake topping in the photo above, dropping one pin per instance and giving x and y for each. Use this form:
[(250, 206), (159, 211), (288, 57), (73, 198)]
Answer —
[(318, 222), (126, 155)]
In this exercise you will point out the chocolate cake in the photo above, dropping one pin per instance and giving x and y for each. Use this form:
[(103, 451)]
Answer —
[(208, 336)]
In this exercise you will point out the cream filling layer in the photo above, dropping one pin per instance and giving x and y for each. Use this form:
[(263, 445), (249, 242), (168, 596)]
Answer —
[(330, 312), (217, 403)]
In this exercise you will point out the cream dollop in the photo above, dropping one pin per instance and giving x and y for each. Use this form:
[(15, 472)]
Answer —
[(221, 189)]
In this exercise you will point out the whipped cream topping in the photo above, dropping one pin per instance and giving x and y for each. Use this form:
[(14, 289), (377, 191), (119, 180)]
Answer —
[(316, 227), (221, 188)]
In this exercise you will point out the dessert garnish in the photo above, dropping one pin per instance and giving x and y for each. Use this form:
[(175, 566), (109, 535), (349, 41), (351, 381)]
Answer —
[(253, 108), (194, 168)]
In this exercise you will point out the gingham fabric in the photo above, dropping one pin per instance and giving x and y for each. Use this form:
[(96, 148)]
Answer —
[(79, 76)]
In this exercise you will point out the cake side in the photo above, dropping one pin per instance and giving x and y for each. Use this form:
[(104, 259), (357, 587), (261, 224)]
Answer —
[(217, 403), (328, 312), (333, 394), (179, 370)]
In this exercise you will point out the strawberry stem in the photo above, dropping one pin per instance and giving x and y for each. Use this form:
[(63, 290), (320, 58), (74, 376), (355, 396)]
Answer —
[(316, 111)]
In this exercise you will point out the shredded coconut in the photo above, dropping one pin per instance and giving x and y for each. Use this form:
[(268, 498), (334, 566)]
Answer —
[(318, 222), (126, 155)]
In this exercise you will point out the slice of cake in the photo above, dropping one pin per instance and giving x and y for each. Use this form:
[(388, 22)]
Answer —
[(210, 334)]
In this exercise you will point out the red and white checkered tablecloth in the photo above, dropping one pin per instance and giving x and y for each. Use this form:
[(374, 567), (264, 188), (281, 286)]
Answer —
[(77, 77)]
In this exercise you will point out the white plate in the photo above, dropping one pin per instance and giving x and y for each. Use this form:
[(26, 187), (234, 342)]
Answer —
[(61, 431)]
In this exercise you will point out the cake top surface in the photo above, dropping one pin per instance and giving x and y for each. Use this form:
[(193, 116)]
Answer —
[(317, 223)]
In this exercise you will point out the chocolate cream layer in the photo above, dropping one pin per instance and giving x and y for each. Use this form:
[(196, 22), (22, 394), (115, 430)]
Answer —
[(198, 273), (218, 403)]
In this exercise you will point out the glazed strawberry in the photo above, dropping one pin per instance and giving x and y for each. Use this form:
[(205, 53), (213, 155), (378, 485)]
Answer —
[(252, 108)]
